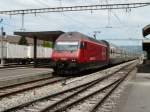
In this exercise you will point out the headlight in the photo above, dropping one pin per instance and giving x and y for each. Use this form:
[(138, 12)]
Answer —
[(73, 60)]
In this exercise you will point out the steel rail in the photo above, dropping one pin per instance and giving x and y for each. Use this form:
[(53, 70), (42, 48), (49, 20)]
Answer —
[(50, 96), (58, 93), (81, 99), (34, 86), (50, 107), (70, 96), (95, 108), (14, 66), (19, 66), (33, 81)]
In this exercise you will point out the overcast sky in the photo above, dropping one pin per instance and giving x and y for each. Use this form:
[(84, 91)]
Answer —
[(122, 23)]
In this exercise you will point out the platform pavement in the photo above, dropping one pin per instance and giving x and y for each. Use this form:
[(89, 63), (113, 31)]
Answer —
[(137, 98), (20, 75)]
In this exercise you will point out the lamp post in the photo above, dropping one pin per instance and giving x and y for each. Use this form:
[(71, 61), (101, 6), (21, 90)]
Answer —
[(2, 60)]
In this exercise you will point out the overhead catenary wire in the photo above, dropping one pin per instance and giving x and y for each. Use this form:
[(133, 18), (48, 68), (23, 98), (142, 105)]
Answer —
[(121, 23), (71, 19), (42, 3), (75, 20)]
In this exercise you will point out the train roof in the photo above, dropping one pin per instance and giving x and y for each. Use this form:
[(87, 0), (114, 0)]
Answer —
[(77, 35)]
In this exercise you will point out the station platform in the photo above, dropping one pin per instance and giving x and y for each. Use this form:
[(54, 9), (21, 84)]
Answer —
[(11, 76), (144, 68), (137, 97)]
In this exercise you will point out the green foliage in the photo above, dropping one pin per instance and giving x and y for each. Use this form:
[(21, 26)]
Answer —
[(47, 44), (23, 41)]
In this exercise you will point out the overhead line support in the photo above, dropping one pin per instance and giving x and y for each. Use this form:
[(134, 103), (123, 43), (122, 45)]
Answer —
[(22, 22), (76, 8)]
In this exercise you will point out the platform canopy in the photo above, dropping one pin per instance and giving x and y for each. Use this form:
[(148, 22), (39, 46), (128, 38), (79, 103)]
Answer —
[(42, 35), (146, 30)]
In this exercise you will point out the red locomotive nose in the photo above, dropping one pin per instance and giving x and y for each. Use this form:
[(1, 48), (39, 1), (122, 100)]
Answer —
[(66, 51), (64, 56)]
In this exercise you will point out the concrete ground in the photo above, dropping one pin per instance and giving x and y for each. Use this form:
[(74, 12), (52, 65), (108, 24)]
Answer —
[(21, 75), (137, 98)]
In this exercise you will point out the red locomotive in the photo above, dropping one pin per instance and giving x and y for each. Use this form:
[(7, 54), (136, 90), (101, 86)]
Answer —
[(74, 52)]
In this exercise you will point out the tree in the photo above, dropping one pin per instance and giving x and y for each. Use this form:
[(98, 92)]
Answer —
[(47, 44), (23, 41)]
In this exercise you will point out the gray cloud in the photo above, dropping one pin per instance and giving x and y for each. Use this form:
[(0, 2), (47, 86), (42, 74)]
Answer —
[(124, 24)]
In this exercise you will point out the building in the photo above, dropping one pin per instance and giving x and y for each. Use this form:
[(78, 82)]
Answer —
[(15, 40)]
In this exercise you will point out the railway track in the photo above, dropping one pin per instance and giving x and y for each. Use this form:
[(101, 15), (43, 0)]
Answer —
[(16, 66), (17, 88), (66, 99), (63, 105)]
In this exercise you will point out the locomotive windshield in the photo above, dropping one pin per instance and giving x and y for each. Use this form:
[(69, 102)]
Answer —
[(66, 46)]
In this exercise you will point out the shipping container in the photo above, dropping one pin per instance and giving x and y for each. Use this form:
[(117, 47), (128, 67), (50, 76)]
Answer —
[(14, 51)]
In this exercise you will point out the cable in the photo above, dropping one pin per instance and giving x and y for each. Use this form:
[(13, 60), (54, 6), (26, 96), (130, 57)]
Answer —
[(44, 4), (128, 32), (41, 2), (67, 16), (48, 19), (9, 24), (72, 19)]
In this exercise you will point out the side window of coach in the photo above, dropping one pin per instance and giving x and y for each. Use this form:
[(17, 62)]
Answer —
[(83, 45)]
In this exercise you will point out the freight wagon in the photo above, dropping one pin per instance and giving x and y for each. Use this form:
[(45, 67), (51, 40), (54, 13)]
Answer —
[(21, 54)]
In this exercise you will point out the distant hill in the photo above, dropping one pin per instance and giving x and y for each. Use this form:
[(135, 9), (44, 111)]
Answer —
[(137, 49)]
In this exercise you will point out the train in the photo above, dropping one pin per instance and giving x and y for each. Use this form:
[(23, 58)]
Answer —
[(75, 52), (22, 54)]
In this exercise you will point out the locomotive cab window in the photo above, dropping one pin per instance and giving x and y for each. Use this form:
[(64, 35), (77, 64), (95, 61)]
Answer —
[(83, 45), (66, 46)]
